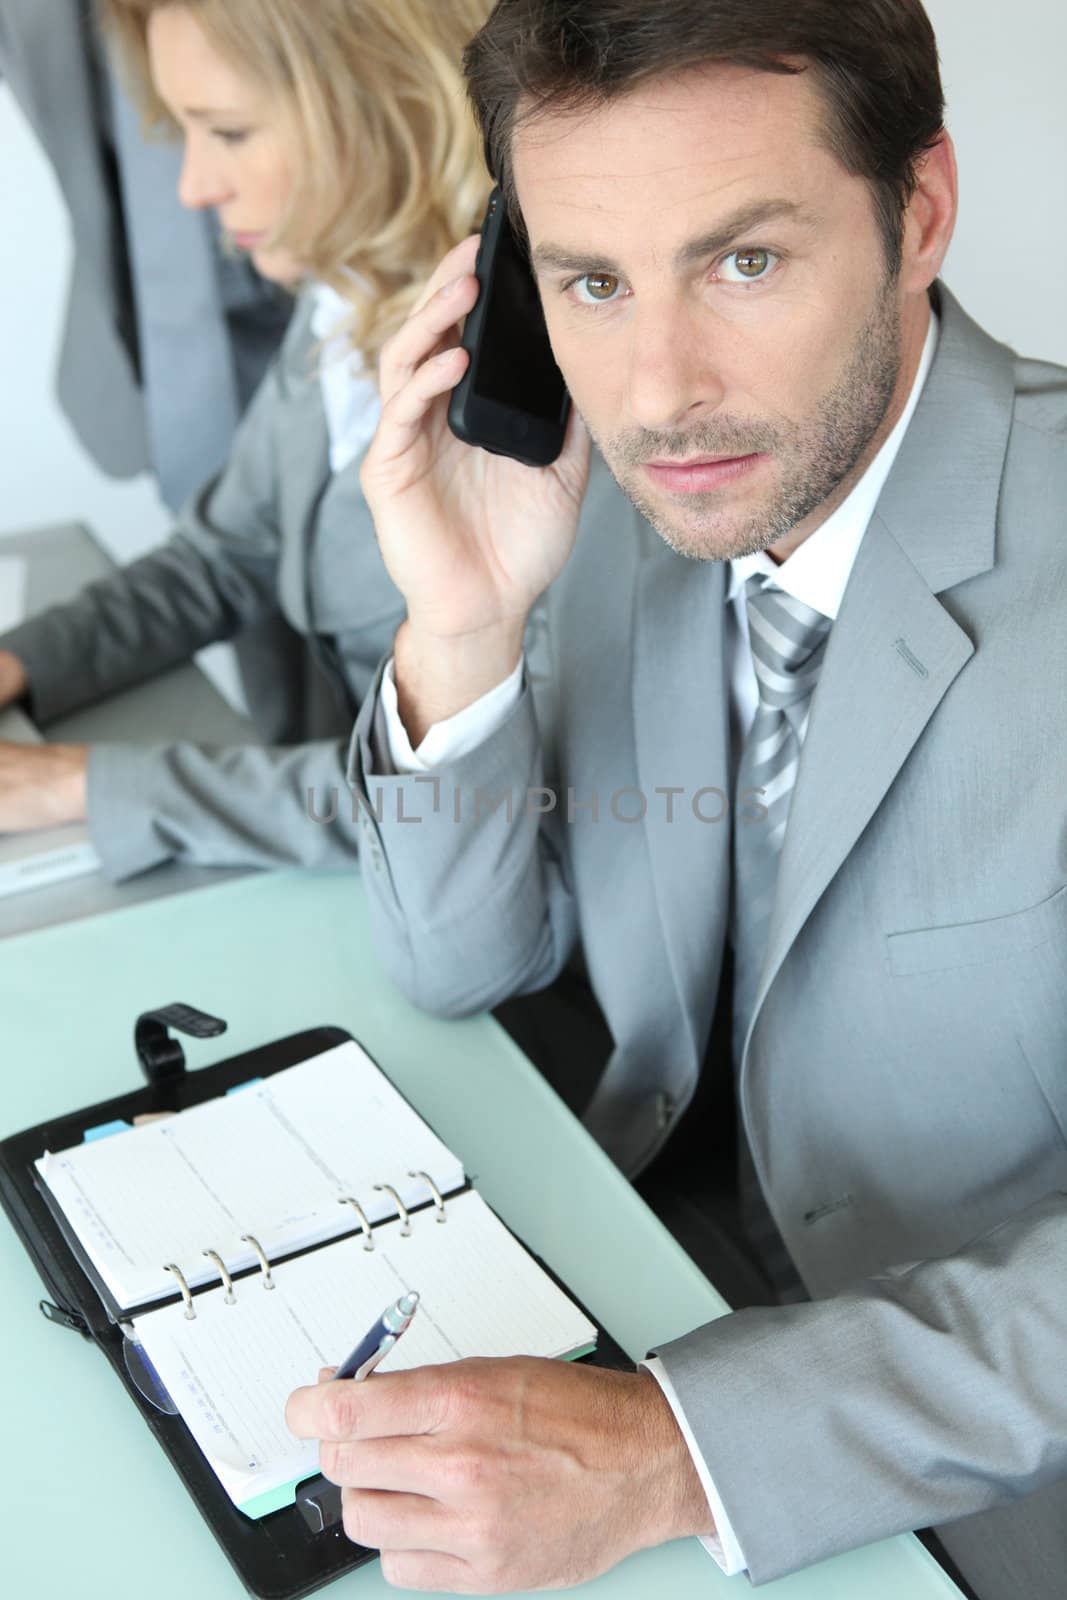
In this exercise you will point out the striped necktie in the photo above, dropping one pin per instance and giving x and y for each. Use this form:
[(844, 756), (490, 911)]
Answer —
[(788, 641)]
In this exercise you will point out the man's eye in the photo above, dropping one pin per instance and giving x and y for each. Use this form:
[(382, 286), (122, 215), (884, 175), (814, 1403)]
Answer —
[(596, 288), (747, 266)]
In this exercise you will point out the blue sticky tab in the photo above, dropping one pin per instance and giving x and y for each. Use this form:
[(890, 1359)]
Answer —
[(239, 1086), (105, 1130)]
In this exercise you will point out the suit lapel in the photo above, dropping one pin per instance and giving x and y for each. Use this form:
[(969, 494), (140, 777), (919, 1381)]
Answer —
[(303, 470), (681, 721), (895, 650), (892, 656)]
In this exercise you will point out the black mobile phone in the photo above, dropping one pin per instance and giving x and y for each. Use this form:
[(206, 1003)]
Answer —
[(512, 399)]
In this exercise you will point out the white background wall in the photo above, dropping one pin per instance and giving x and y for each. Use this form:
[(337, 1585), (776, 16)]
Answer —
[(1007, 110)]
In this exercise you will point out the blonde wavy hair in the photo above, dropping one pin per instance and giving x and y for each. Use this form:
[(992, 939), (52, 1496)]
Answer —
[(387, 159)]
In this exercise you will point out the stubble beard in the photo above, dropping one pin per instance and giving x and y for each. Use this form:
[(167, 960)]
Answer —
[(813, 458)]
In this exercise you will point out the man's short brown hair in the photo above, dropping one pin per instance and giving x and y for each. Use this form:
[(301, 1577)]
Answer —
[(875, 61)]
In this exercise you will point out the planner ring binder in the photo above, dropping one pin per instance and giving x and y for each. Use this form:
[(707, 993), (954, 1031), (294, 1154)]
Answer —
[(438, 1198), (187, 1296), (248, 1238), (402, 1210), (368, 1231), (226, 1277), (404, 1216), (229, 1298)]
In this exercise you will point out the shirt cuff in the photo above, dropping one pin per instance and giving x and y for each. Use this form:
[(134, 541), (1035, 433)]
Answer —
[(445, 742), (723, 1543)]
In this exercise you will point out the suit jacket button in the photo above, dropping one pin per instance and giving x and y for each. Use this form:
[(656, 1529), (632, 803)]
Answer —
[(664, 1110)]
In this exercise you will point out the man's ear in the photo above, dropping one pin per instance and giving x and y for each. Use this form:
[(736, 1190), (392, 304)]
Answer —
[(930, 219)]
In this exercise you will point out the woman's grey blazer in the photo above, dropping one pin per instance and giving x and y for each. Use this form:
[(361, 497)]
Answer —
[(278, 549)]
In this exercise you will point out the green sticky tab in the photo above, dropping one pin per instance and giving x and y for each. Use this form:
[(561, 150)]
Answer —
[(577, 1355), (261, 1505)]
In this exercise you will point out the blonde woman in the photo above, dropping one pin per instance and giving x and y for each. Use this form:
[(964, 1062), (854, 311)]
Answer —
[(334, 143)]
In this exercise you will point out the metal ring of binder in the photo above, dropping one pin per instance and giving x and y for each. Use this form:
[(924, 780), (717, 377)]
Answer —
[(190, 1310), (402, 1210), (364, 1220), (248, 1238), (229, 1298), (438, 1197)]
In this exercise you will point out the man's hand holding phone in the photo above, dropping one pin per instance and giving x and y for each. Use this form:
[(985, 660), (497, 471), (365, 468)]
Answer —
[(469, 538)]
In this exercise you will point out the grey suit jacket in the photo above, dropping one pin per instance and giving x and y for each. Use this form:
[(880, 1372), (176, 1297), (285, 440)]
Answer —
[(904, 1081), (46, 58), (276, 545)]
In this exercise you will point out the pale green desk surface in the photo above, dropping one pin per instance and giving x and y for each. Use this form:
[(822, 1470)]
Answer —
[(88, 1503)]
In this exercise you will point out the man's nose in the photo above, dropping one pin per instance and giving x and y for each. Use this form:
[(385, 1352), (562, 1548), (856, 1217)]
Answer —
[(672, 369)]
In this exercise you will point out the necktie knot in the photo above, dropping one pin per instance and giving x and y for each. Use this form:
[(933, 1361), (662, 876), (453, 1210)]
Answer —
[(787, 639)]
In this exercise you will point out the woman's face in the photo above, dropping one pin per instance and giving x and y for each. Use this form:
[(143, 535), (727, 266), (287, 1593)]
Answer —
[(236, 161)]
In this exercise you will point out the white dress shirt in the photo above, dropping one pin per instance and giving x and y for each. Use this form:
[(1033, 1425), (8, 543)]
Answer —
[(817, 573), (349, 393)]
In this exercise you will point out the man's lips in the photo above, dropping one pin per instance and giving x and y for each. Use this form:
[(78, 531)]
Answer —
[(700, 473), (694, 461)]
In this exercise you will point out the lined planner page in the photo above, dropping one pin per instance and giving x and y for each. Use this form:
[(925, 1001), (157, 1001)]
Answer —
[(272, 1160), (231, 1370)]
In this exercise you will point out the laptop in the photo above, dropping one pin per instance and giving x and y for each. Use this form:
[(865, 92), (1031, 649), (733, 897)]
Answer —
[(47, 855)]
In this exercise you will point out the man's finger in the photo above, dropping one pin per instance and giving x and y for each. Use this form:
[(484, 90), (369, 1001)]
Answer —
[(392, 1521), (424, 333), (405, 414), (430, 1572), (386, 1405), (414, 1464), (459, 261)]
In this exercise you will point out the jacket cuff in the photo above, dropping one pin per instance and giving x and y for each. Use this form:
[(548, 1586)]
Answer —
[(40, 652), (723, 1543)]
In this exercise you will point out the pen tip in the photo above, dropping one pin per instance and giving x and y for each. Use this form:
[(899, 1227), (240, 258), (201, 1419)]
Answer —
[(407, 1304)]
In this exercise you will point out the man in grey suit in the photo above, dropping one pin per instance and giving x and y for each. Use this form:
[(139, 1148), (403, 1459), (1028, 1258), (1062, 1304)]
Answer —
[(824, 752), (166, 339)]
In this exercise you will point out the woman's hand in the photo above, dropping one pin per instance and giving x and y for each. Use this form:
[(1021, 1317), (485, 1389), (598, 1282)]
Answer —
[(13, 682), (41, 786)]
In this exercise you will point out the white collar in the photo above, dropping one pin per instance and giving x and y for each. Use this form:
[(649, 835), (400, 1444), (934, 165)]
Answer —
[(329, 313), (818, 571), (349, 391)]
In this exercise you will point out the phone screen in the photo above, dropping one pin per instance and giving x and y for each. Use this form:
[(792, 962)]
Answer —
[(515, 364)]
